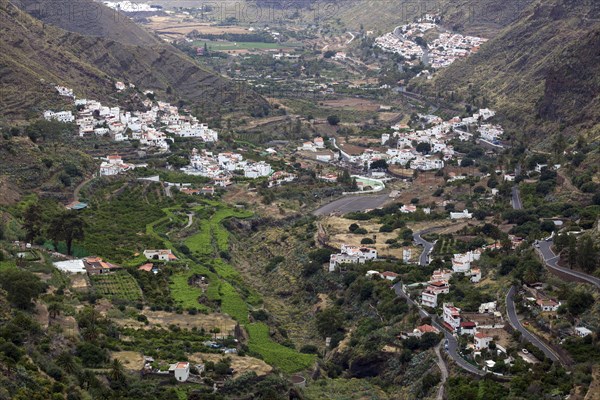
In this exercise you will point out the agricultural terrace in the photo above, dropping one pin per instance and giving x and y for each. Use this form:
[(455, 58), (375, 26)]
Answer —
[(225, 289), (286, 359), (120, 285), (212, 234)]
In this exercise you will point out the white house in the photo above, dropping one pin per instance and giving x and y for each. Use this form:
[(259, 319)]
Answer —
[(439, 287), (61, 116), (408, 208), (324, 156), (257, 170), (451, 316), (462, 262), (114, 165), (468, 328), (486, 308), (475, 275), (162, 255), (181, 371), (319, 143), (388, 275), (406, 254), (429, 298), (465, 214), (582, 331), (441, 275), (482, 341), (352, 255), (548, 305)]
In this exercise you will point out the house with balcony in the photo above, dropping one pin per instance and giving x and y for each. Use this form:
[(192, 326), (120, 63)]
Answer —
[(451, 316)]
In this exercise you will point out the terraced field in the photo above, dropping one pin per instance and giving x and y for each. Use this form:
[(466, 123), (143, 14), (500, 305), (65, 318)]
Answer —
[(120, 285)]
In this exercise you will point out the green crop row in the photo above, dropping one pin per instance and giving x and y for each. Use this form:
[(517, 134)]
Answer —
[(286, 359)]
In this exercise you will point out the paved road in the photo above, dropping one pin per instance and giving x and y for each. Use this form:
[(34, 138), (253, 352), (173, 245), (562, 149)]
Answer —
[(427, 246), (551, 260), (353, 203), (443, 369), (516, 199), (531, 338), (350, 41), (452, 342), (190, 220)]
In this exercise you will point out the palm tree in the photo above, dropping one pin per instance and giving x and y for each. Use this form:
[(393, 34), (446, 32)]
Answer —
[(54, 309), (91, 333), (67, 362), (117, 372)]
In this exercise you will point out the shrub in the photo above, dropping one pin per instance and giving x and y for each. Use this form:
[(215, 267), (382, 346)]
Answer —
[(309, 349), (333, 120), (367, 241), (386, 228)]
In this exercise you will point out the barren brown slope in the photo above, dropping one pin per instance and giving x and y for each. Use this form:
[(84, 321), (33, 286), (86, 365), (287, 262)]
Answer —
[(88, 18), (34, 54)]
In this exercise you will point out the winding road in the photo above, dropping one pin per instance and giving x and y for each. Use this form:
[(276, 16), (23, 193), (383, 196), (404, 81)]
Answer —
[(544, 248), (452, 342), (531, 338), (515, 201), (427, 246)]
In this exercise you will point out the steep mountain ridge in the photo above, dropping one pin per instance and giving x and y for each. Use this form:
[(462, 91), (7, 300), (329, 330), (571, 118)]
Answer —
[(34, 55), (88, 18), (541, 72)]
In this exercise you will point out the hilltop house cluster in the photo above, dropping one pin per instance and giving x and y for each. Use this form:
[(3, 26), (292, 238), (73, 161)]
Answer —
[(220, 167), (449, 47), (436, 136), (351, 255), (399, 44), (150, 127), (439, 282), (408, 42), (479, 325)]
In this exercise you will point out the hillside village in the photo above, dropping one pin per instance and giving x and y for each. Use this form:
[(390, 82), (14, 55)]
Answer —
[(317, 210), (150, 127), (407, 41)]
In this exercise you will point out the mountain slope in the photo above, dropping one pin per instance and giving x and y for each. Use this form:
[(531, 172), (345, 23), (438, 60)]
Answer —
[(542, 72), (34, 55), (88, 18), (479, 17)]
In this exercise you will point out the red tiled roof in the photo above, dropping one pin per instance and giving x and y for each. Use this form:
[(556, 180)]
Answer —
[(146, 267), (427, 328)]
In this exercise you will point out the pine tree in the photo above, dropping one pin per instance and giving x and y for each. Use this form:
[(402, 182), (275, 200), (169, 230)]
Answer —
[(587, 254)]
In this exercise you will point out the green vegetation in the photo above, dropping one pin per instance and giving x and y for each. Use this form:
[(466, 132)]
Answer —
[(212, 233), (284, 358), (233, 304), (118, 285), (118, 227)]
